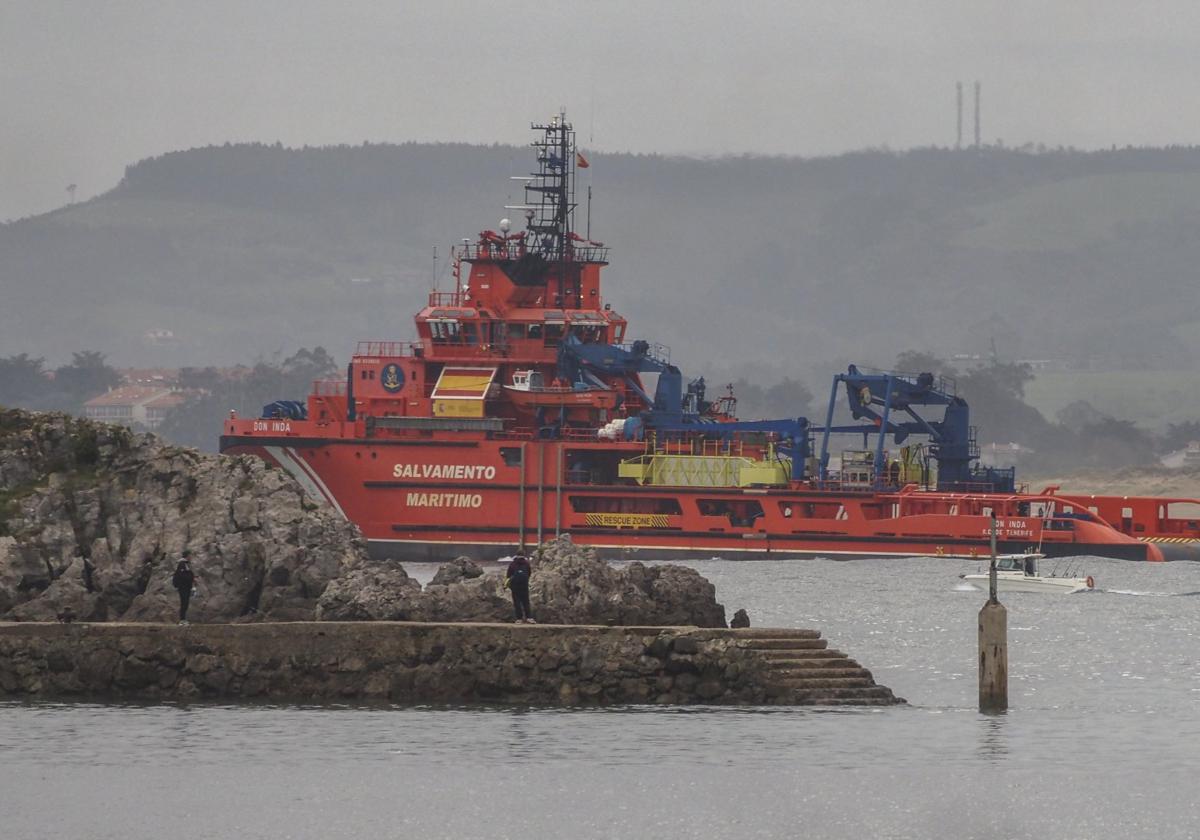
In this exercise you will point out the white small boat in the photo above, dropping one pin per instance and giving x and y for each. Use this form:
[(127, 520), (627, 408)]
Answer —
[(1019, 573)]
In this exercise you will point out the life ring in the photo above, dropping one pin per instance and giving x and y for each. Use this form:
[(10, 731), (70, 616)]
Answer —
[(1091, 583)]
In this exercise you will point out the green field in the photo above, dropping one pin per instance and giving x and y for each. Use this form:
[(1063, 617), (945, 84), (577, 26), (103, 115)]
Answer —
[(1149, 398)]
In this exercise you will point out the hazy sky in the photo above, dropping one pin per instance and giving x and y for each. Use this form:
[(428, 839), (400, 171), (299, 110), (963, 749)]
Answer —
[(89, 86)]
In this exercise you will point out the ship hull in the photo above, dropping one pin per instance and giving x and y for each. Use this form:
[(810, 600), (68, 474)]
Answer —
[(433, 500)]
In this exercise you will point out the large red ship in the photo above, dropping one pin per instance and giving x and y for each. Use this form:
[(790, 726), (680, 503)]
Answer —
[(522, 411)]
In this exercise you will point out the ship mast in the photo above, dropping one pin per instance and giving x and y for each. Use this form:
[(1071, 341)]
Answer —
[(550, 205)]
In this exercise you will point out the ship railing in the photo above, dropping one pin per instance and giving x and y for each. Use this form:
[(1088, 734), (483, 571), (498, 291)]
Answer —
[(838, 486), (463, 350), (514, 250), (657, 352), (329, 388), (513, 434), (456, 298), (526, 433), (971, 487), (579, 434), (531, 351), (386, 348), (588, 254), (945, 384), (491, 251)]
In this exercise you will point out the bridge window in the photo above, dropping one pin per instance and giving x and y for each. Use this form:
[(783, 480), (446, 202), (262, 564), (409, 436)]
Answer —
[(444, 331)]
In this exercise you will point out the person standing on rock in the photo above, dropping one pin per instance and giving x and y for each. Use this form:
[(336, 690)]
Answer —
[(183, 580), (516, 578)]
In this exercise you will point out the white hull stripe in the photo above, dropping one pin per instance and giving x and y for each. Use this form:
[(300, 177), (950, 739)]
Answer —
[(287, 458)]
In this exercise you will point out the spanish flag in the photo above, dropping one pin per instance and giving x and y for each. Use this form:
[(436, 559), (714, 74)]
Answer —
[(464, 383), (581, 161)]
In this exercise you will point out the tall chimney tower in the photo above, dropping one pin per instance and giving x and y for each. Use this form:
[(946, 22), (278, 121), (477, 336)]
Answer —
[(977, 115), (958, 91)]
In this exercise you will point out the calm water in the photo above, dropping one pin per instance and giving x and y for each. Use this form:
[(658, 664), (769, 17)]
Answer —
[(1101, 742)]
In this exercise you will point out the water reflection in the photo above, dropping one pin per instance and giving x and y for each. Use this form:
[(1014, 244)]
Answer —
[(993, 738), (522, 738)]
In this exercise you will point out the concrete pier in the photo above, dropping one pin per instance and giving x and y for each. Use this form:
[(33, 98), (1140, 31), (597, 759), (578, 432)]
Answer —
[(432, 663)]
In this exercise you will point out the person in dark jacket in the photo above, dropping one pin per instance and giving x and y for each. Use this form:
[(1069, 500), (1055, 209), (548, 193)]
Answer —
[(183, 580), (516, 578)]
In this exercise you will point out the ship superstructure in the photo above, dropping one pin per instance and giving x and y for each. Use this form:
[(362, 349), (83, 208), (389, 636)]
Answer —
[(523, 410)]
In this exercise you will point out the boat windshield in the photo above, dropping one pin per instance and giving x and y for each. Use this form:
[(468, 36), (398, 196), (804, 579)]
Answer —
[(1026, 564)]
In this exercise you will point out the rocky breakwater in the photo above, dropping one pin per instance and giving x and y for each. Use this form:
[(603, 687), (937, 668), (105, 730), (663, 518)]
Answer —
[(93, 518), (413, 662)]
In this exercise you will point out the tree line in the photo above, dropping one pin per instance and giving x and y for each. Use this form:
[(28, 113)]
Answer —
[(27, 382), (213, 394), (1079, 437)]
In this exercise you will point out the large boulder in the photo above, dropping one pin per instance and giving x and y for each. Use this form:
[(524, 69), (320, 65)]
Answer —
[(570, 585), (93, 519), (460, 569), (371, 591)]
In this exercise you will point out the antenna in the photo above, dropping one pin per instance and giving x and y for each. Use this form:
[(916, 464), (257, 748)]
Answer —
[(958, 91), (977, 115), (435, 279), (70, 193)]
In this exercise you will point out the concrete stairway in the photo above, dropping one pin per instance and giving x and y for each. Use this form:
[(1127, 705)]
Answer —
[(801, 669)]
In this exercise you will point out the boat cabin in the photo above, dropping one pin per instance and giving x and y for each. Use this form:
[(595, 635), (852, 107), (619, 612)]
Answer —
[(1024, 563)]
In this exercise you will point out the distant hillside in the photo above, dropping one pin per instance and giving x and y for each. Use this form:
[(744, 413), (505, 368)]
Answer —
[(792, 265)]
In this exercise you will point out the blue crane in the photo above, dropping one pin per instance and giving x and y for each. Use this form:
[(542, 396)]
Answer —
[(884, 403)]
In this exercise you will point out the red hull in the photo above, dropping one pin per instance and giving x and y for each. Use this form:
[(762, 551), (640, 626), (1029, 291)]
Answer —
[(434, 499)]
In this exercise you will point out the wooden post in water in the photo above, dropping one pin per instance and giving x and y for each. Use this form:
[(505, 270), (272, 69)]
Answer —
[(993, 645)]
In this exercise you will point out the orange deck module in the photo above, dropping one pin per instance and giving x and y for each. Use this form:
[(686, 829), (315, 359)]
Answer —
[(522, 410)]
